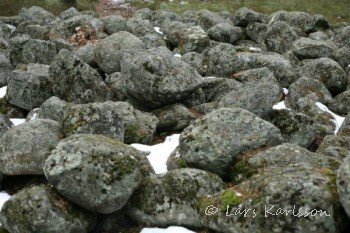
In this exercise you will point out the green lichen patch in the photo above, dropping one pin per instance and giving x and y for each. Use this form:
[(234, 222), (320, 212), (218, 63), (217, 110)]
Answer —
[(230, 198)]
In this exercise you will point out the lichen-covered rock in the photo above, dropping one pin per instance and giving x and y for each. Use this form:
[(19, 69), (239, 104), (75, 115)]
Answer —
[(28, 90), (36, 13), (305, 87), (296, 128), (114, 23), (153, 40), (335, 146), (138, 27), (326, 70), (223, 89), (245, 16), (70, 12), (278, 200), (174, 118), (277, 157), (25, 50), (110, 51), (91, 26), (216, 140), (172, 198), (118, 120), (5, 124), (341, 36), (159, 16), (75, 81), (195, 60), (95, 172), (280, 37), (343, 186), (86, 54), (259, 92), (53, 108), (42, 209), (116, 85), (305, 48), (345, 127), (257, 32), (306, 22), (341, 103), (226, 33), (5, 69), (207, 19), (342, 56), (156, 78), (24, 148)]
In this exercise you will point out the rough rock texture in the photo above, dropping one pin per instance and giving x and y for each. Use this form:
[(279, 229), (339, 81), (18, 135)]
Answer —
[(53, 109), (114, 23), (341, 103), (42, 209), (172, 198), (5, 69), (24, 148), (326, 70), (86, 54), (25, 50), (139, 27), (335, 146), (75, 81), (155, 77), (118, 120), (245, 16), (345, 127), (226, 33), (36, 13), (195, 60), (28, 90), (305, 48), (343, 185), (95, 172), (110, 51), (5, 124), (216, 140), (278, 191)]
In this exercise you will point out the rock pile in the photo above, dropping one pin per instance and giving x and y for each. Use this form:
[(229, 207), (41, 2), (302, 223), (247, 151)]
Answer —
[(258, 101)]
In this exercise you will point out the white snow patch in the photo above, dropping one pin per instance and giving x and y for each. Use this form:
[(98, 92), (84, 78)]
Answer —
[(285, 91), (3, 198), (17, 121), (338, 120), (183, 3), (280, 105), (177, 55), (3, 92), (35, 115), (160, 153), (255, 49), (171, 229), (157, 29)]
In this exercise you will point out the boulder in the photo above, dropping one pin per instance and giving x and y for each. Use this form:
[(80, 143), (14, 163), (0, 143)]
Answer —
[(70, 12), (257, 31), (24, 148), (75, 81), (95, 172), (36, 13), (117, 120), (25, 50), (153, 40), (172, 198), (216, 140), (42, 209), (245, 16), (139, 27), (342, 56), (86, 54), (343, 186), (345, 127), (195, 60), (226, 33), (341, 103), (341, 36), (5, 69), (114, 23), (53, 108), (207, 19), (327, 71), (110, 51), (335, 146), (156, 78), (305, 48), (5, 124), (28, 90)]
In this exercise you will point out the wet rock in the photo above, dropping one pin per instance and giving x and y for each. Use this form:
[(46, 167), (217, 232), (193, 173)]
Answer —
[(36, 13), (326, 70), (280, 37), (25, 50), (214, 141), (110, 51), (307, 87), (306, 22), (5, 69), (24, 148), (296, 128), (53, 108), (245, 16), (156, 78), (172, 198), (302, 188), (174, 118), (5, 124), (41, 208), (118, 120), (226, 33), (114, 23), (75, 81), (341, 103), (95, 172), (28, 90), (305, 48)]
